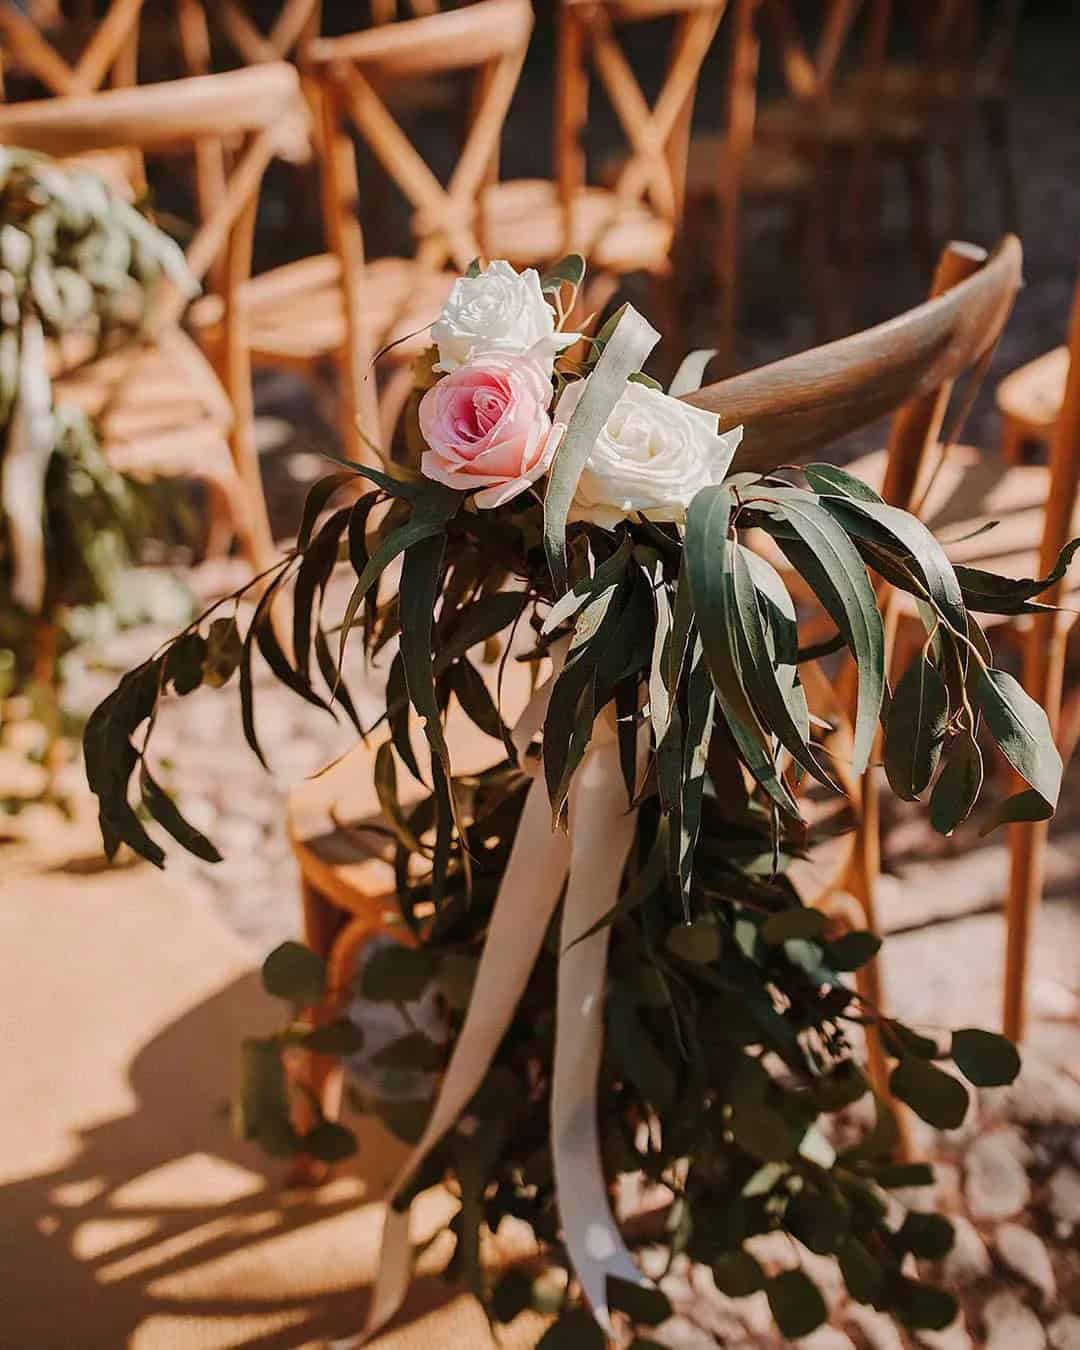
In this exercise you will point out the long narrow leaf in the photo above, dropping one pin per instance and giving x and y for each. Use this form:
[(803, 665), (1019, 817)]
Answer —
[(831, 564)]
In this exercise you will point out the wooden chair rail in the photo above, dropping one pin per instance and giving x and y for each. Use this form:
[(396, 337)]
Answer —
[(453, 40), (153, 117), (113, 45), (797, 406)]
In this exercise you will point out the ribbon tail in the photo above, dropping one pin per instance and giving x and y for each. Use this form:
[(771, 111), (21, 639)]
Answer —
[(528, 894), (25, 465), (601, 831)]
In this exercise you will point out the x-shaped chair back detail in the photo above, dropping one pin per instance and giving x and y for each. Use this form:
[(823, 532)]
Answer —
[(113, 49), (809, 76), (656, 133), (490, 38), (165, 118)]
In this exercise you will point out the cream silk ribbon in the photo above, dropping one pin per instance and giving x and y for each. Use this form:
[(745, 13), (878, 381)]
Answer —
[(589, 859), (25, 466)]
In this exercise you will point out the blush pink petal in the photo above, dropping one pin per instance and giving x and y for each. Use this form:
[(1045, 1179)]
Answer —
[(487, 425)]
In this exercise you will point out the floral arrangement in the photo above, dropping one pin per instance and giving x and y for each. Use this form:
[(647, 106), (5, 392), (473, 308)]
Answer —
[(627, 978), (78, 264)]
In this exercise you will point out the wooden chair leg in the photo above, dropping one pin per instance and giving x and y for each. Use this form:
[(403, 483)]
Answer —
[(1044, 667), (1012, 441), (869, 982)]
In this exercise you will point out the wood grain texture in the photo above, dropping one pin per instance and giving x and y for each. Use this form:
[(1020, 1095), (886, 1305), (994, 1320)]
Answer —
[(798, 406)]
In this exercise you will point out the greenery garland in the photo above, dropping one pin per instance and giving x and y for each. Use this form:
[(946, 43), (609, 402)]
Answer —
[(78, 265), (729, 1016)]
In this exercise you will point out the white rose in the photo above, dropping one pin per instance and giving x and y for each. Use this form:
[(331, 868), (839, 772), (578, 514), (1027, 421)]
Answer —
[(499, 311), (654, 454)]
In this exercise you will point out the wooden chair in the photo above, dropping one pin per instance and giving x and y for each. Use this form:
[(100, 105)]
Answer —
[(1030, 400), (339, 307), (735, 166), (160, 408), (1038, 511), (111, 54), (631, 225), (790, 410)]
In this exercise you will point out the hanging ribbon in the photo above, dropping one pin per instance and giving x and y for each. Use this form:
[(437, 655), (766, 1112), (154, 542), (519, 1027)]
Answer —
[(25, 467), (589, 860)]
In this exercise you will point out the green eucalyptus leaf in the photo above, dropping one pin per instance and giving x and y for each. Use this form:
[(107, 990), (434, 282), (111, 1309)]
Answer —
[(959, 783), (927, 1236), (985, 1058), (568, 271), (643, 1303), (830, 563), (293, 971), (110, 758), (396, 974), (709, 563), (738, 1274), (915, 729), (862, 1273), (168, 815), (987, 593), (796, 1303), (921, 1307), (935, 1096), (852, 951), (1022, 731), (828, 480), (798, 922)]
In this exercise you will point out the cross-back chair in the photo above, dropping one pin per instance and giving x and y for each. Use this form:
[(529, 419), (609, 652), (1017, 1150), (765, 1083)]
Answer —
[(960, 490), (36, 42), (341, 307), (110, 53), (792, 409), (160, 408), (296, 22), (631, 224)]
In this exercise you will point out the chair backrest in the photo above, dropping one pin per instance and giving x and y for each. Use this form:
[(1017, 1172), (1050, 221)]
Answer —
[(488, 38), (168, 117), (807, 75), (294, 22), (657, 132), (797, 407), (112, 49)]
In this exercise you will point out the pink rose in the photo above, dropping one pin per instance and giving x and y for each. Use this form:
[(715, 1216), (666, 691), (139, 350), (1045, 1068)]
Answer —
[(486, 426)]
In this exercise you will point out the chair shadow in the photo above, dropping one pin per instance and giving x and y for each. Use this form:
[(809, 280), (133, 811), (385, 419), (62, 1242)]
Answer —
[(64, 1288)]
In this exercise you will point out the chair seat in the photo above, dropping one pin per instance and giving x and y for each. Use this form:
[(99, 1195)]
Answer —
[(525, 221), (972, 489), (843, 125), (1032, 396), (296, 313), (769, 170), (159, 409)]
